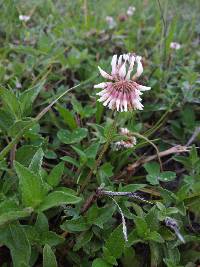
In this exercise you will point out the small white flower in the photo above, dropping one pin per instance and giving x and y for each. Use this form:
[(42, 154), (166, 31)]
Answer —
[(124, 131), (128, 143), (111, 22), (24, 18), (130, 11), (174, 45)]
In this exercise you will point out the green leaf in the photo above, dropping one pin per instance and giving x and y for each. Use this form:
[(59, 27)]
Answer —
[(58, 198), (100, 263), (76, 225), (25, 154), (11, 102), (92, 150), (36, 162), (152, 168), (49, 259), (30, 185), (99, 216), (152, 179), (115, 243), (75, 136), (55, 175), (42, 223), (14, 237), (14, 215), (155, 236), (167, 176), (18, 125), (71, 160), (28, 96), (6, 120), (133, 238), (82, 240), (141, 226), (67, 117)]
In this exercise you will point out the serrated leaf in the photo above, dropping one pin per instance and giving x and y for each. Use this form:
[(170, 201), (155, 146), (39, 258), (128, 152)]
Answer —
[(82, 240), (67, 117), (141, 226), (36, 162), (115, 243), (155, 236), (49, 259), (11, 102), (55, 175), (14, 215), (76, 225), (75, 136), (58, 198), (28, 97), (14, 237), (30, 185)]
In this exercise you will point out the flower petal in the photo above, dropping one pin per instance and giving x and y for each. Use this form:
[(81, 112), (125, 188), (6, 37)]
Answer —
[(143, 88), (101, 85), (114, 65), (139, 66), (122, 71), (105, 74)]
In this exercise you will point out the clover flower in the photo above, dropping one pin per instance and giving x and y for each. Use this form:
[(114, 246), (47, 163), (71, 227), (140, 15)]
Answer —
[(111, 22), (24, 18), (175, 46), (128, 143), (123, 93), (130, 11)]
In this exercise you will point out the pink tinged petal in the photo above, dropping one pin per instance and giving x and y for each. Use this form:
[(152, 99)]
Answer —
[(143, 88), (108, 100), (114, 64), (112, 102), (139, 66), (122, 71), (124, 101), (126, 57), (119, 63), (102, 85), (102, 92), (131, 62), (104, 97), (105, 74), (118, 104)]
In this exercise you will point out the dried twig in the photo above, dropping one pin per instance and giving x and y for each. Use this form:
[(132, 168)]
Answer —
[(172, 150)]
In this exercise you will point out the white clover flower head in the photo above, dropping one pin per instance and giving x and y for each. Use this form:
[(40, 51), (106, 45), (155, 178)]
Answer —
[(24, 18), (130, 11), (128, 143), (122, 92), (111, 22), (124, 131), (175, 46)]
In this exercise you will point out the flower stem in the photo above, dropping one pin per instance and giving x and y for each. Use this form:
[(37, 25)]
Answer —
[(99, 159)]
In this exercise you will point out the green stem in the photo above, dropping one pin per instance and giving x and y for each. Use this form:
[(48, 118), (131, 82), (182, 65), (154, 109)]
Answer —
[(100, 157)]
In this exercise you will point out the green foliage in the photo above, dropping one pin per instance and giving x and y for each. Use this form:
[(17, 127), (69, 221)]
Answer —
[(56, 154)]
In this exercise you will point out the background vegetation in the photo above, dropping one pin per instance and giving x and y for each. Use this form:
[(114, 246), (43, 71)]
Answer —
[(50, 212)]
